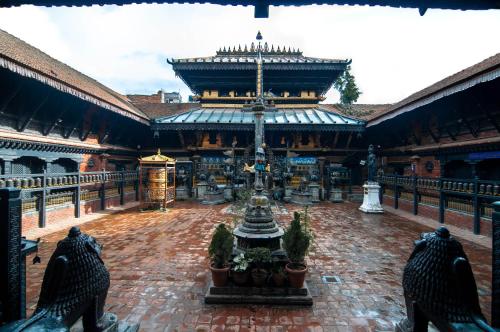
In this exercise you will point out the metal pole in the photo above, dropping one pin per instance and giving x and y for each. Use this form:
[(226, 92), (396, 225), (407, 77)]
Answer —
[(103, 190), (122, 187)]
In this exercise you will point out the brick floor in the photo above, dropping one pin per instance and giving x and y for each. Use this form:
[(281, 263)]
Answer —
[(159, 273)]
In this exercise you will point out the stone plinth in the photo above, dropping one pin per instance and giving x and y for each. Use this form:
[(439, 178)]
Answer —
[(181, 193), (371, 199), (228, 193), (301, 198), (201, 190), (336, 195), (314, 189), (231, 294), (214, 197), (288, 194)]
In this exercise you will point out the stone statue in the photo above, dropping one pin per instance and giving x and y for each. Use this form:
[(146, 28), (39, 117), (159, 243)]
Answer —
[(212, 184), (75, 285), (372, 164), (439, 287), (303, 185), (181, 177)]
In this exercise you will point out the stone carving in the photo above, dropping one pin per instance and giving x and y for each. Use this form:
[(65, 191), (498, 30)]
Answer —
[(212, 184), (439, 287), (303, 184), (75, 285), (372, 164)]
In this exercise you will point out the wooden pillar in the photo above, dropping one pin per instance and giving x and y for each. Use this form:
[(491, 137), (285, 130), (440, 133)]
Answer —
[(78, 192), (42, 202), (476, 205), (122, 187), (11, 275), (442, 201), (396, 202), (415, 195), (495, 282), (7, 166), (103, 190)]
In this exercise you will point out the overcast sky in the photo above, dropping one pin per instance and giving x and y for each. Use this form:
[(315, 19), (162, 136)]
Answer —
[(394, 52)]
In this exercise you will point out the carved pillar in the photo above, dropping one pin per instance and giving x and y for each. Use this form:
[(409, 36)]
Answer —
[(321, 161), (13, 251)]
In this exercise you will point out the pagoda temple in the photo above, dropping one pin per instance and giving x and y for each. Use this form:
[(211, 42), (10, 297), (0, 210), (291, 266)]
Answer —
[(300, 128)]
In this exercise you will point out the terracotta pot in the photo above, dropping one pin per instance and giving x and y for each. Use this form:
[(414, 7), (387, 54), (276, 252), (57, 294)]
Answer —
[(219, 276), (279, 279), (296, 274), (240, 278), (259, 277)]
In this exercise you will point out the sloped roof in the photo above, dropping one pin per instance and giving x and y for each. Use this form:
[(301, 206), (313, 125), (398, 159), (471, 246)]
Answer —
[(249, 54), (364, 112), (26, 60), (314, 118), (483, 71), (157, 110), (421, 4)]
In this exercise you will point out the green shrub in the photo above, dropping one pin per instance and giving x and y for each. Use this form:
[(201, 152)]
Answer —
[(260, 256), (221, 246), (297, 238)]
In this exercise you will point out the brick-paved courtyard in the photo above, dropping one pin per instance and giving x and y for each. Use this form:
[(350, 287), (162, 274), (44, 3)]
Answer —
[(159, 270)]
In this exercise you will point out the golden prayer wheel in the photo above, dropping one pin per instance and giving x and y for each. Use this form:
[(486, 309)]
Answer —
[(157, 183)]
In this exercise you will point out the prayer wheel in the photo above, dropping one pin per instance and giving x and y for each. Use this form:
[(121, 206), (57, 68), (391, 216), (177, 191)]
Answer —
[(157, 182)]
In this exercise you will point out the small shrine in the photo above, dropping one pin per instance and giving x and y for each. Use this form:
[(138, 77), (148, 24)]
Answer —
[(156, 181)]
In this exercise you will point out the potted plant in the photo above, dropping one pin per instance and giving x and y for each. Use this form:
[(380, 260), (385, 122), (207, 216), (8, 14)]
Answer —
[(279, 275), (296, 242), (239, 269), (220, 250), (260, 257)]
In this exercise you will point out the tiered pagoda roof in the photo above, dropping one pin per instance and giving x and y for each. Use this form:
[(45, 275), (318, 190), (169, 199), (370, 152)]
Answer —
[(285, 71)]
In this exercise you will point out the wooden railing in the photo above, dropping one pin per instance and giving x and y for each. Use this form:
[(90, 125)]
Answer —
[(470, 196), (44, 190)]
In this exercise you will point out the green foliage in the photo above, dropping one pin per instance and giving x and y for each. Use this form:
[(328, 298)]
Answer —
[(346, 86), (260, 256), (240, 263), (221, 246), (297, 238)]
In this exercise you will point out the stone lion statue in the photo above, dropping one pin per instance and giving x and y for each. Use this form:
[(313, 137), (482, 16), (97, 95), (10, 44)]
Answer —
[(439, 287), (75, 285)]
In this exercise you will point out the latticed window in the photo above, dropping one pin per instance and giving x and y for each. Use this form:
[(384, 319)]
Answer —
[(63, 165), (27, 165)]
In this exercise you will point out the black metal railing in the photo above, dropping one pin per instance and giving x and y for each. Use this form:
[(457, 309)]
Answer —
[(48, 190), (469, 196)]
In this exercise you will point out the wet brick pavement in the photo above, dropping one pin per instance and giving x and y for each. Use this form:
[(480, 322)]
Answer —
[(159, 270)]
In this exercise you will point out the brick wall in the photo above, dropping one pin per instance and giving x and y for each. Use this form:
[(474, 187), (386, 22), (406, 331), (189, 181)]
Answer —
[(455, 218), (65, 212)]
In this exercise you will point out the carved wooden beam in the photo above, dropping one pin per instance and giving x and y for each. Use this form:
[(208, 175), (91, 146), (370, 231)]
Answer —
[(86, 123), (46, 130), (492, 120), (181, 138), (9, 98), (22, 123), (349, 140), (335, 139), (452, 136)]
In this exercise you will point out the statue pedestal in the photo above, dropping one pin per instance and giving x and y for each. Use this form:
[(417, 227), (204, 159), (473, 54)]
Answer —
[(181, 193), (213, 197), (228, 193), (314, 189), (201, 190), (301, 198), (336, 195), (371, 201), (288, 194)]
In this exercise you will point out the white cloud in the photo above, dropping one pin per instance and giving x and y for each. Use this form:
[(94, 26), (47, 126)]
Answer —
[(395, 52)]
